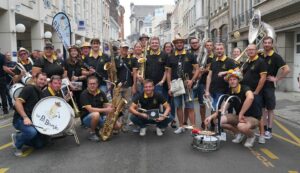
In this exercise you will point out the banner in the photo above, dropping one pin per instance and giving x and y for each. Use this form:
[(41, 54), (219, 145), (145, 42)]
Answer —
[(61, 24)]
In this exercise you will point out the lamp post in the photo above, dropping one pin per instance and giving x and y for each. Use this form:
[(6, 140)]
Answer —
[(20, 28), (47, 36), (78, 42)]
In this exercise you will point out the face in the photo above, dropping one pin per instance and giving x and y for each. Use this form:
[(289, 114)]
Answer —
[(130, 51), (8, 56), (168, 48), (233, 82), (41, 53), (35, 54), (220, 50), (74, 53), (144, 41), (95, 46), (236, 52), (194, 44), (41, 81), (209, 46), (56, 84), (251, 51), (48, 52), (154, 45), (92, 85), (138, 49), (148, 88), (179, 45), (124, 51), (267, 44), (85, 50), (23, 55)]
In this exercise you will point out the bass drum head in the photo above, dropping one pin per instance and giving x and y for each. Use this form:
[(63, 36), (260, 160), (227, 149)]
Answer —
[(15, 90), (52, 115)]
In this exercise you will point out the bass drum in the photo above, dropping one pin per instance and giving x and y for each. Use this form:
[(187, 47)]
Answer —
[(15, 90), (52, 115), (26, 79)]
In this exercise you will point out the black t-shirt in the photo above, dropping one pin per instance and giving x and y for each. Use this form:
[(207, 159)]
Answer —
[(73, 69), (148, 103), (54, 68), (181, 65), (252, 71), (274, 62), (241, 95), (30, 95), (218, 84), (47, 92), (205, 74), (28, 67), (124, 68), (155, 66), (2, 63), (96, 101), (98, 65), (10, 64)]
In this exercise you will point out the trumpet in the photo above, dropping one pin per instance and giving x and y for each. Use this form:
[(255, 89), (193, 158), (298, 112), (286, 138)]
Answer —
[(188, 91), (66, 83)]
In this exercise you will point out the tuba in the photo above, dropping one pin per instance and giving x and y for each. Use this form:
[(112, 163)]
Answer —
[(118, 103), (110, 67), (258, 30)]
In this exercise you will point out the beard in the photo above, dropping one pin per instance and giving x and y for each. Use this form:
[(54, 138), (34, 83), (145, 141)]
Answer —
[(179, 48)]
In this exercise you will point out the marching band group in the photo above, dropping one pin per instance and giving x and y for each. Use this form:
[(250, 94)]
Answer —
[(157, 84)]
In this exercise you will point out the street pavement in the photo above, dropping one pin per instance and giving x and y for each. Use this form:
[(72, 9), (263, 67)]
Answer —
[(130, 153)]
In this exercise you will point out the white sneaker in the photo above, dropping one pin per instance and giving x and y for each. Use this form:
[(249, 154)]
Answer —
[(14, 139), (18, 152), (268, 135), (159, 132), (250, 142), (179, 130), (261, 139), (238, 138), (143, 131)]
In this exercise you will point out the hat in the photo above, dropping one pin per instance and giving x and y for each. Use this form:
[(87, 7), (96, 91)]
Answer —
[(23, 49), (144, 36), (124, 44), (49, 45), (85, 44), (74, 47), (178, 38), (233, 73)]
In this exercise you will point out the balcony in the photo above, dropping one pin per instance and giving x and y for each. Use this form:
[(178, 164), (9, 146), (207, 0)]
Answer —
[(242, 20)]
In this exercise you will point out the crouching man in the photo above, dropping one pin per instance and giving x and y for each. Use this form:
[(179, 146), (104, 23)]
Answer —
[(247, 110), (147, 101)]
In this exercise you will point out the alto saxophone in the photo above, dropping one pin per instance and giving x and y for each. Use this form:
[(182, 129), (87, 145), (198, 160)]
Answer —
[(118, 103), (111, 68)]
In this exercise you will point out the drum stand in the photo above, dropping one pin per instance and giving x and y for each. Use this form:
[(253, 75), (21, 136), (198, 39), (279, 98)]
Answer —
[(75, 133)]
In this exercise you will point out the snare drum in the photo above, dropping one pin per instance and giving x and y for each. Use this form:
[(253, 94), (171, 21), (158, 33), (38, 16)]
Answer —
[(52, 115), (26, 79), (15, 90), (205, 143)]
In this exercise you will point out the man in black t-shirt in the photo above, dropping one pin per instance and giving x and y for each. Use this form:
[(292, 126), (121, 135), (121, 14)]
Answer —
[(248, 113), (24, 105), (274, 63), (94, 104), (24, 60), (150, 100), (3, 70)]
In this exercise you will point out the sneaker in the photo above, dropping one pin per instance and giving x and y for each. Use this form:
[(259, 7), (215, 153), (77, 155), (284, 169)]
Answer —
[(202, 126), (136, 129), (94, 137), (179, 130), (173, 124), (5, 111), (268, 135), (18, 152), (261, 139), (159, 132), (250, 142), (238, 138), (143, 131), (14, 139)]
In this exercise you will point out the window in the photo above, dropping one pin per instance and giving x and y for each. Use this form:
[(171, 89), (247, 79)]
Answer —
[(298, 43)]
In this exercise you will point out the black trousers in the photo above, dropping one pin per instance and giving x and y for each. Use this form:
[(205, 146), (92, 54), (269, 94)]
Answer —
[(3, 92)]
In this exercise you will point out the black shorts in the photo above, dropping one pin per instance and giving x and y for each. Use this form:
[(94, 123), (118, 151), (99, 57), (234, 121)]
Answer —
[(255, 109), (269, 99)]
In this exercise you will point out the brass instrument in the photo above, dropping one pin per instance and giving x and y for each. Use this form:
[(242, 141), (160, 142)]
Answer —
[(65, 82), (258, 30), (110, 67), (187, 90), (142, 62), (118, 103)]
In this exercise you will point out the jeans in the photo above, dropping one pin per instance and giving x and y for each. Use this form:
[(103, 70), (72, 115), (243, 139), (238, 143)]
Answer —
[(215, 97), (28, 135), (87, 120), (141, 122), (3, 93), (8, 96)]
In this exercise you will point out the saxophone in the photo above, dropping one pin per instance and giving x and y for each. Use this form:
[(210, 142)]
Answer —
[(110, 67), (118, 103)]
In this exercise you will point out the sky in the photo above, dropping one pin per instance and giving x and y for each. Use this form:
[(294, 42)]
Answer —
[(126, 5)]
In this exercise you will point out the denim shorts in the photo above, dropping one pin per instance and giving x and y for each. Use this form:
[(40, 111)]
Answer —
[(87, 120), (187, 104)]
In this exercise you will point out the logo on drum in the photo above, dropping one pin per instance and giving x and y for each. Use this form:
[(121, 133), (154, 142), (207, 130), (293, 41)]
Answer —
[(53, 110)]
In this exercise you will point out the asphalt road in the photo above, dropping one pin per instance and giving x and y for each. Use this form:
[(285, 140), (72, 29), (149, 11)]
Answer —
[(130, 153)]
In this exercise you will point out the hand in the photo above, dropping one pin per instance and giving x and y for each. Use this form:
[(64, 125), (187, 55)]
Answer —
[(22, 73), (272, 79), (160, 83), (27, 121), (189, 84), (143, 115), (92, 71), (206, 94), (109, 109), (159, 119), (170, 92), (207, 121), (140, 78), (222, 73), (242, 119), (74, 78)]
